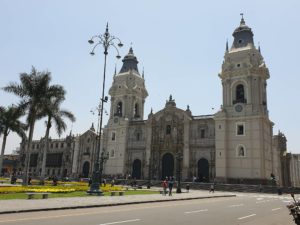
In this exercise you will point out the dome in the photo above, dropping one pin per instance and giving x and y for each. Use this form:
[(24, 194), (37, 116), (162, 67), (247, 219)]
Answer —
[(243, 36), (129, 62)]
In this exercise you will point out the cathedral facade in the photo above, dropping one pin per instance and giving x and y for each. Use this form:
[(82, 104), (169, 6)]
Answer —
[(234, 145)]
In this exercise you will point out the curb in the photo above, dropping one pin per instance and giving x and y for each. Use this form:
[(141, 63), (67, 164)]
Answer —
[(111, 204)]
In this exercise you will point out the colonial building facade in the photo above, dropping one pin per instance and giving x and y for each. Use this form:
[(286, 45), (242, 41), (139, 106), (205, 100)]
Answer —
[(234, 145)]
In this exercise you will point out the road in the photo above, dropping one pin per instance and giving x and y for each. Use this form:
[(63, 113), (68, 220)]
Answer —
[(244, 209)]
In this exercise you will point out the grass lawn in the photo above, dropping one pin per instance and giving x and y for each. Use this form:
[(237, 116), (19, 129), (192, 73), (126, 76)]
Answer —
[(72, 194)]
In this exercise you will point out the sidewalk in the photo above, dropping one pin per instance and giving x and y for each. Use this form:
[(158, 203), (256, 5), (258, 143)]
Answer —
[(22, 205)]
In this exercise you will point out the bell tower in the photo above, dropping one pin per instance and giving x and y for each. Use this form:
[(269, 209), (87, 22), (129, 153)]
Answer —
[(128, 94), (243, 129), (128, 91)]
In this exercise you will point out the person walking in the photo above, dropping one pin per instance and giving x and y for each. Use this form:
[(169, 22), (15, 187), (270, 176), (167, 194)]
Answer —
[(171, 183), (164, 185), (212, 188)]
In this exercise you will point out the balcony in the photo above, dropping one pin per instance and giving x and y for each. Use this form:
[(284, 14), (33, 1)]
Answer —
[(242, 100)]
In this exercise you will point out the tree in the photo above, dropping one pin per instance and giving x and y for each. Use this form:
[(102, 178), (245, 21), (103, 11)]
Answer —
[(9, 121), (34, 91), (55, 115), (1, 116)]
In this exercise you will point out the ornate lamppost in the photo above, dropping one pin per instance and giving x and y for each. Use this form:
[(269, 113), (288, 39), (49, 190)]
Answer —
[(179, 158), (106, 40)]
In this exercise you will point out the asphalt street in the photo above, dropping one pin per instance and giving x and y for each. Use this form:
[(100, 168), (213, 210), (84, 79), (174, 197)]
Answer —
[(248, 209)]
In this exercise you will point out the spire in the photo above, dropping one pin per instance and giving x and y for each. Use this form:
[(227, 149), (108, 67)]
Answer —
[(115, 70), (259, 47), (92, 127), (227, 45), (106, 30), (143, 75), (242, 19)]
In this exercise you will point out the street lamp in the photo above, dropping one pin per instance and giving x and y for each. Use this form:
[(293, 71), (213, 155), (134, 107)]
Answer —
[(106, 40), (179, 158)]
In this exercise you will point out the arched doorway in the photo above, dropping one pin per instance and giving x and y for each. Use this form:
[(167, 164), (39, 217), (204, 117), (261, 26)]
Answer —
[(86, 169), (167, 165), (136, 169), (203, 170)]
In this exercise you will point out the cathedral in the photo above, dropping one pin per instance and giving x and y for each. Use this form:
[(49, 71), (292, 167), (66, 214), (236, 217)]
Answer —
[(235, 145)]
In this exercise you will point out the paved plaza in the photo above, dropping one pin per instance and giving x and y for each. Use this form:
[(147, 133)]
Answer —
[(27, 205)]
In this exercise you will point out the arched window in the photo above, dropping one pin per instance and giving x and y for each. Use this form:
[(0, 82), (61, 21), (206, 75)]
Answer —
[(112, 153), (241, 151), (119, 109), (136, 110), (240, 93), (168, 129)]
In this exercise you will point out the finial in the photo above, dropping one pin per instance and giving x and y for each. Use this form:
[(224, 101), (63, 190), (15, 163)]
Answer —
[(170, 98), (259, 47), (106, 28), (115, 70), (151, 112), (242, 19), (227, 45), (92, 127), (130, 50), (187, 108)]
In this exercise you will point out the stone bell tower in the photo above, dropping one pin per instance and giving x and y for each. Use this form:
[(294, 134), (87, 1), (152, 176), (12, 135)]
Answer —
[(243, 128), (128, 94)]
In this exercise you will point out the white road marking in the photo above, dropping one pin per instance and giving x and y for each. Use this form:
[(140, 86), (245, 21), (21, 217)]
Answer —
[(260, 202), (236, 205), (287, 201), (118, 222), (276, 209), (259, 199), (244, 217), (196, 211)]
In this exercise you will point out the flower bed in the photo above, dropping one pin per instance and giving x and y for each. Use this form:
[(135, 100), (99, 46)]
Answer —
[(54, 189)]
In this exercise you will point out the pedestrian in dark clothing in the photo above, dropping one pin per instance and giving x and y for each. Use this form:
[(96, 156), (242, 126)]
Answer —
[(212, 188), (171, 183), (29, 180), (13, 179), (90, 181)]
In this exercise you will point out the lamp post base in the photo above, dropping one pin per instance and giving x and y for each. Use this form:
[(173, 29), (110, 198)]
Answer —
[(95, 192), (178, 190)]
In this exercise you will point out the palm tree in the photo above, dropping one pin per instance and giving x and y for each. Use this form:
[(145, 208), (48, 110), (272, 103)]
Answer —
[(34, 91), (9, 121), (55, 115), (1, 116)]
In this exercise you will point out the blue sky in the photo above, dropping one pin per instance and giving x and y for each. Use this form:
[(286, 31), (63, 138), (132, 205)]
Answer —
[(180, 45)]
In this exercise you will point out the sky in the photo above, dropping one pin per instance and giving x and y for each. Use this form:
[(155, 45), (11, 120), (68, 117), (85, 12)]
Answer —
[(180, 46)]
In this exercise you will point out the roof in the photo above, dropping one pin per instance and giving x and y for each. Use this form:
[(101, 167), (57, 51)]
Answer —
[(203, 117)]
